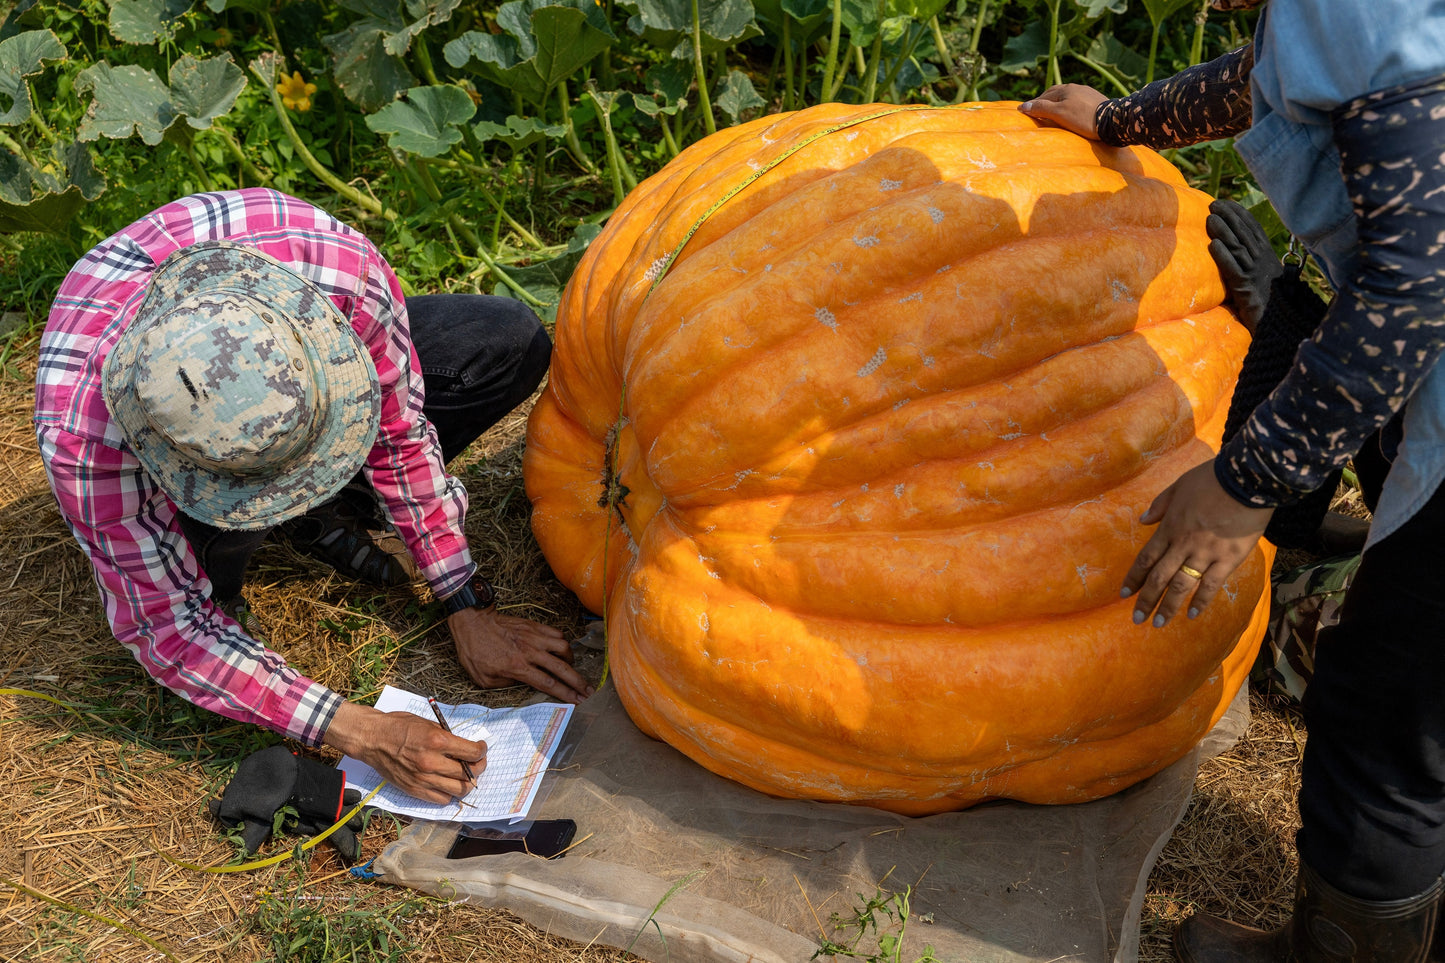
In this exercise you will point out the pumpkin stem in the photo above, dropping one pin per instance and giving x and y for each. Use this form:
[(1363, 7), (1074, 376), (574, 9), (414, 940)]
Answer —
[(614, 493)]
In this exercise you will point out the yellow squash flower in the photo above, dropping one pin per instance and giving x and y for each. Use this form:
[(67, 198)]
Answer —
[(296, 92)]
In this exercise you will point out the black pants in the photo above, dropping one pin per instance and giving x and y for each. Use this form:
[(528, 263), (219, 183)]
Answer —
[(1372, 800), (481, 357)]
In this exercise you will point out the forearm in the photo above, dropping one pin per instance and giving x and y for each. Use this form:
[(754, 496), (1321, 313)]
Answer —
[(1204, 102), (157, 599), (235, 676), (1386, 326)]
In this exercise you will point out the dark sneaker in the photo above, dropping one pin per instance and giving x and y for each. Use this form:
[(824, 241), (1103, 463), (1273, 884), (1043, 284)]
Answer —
[(350, 534)]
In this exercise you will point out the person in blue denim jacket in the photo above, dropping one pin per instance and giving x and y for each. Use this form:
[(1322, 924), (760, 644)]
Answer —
[(1338, 107)]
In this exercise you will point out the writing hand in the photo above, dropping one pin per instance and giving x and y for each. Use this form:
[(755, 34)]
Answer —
[(414, 754)]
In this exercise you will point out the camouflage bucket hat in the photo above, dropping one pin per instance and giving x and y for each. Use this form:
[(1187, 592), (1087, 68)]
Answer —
[(242, 390)]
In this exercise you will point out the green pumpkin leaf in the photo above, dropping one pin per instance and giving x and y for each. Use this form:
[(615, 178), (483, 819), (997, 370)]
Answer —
[(1023, 52), (385, 11), (545, 280), (894, 29), (546, 42), (1109, 52), (647, 104), (203, 90), (128, 100), (809, 18), (861, 18), (735, 95), (21, 56), (25, 13), (254, 6), (145, 21), (922, 10), (670, 79), (668, 23), (425, 121), (364, 71), (519, 132), (47, 200), (428, 13), (132, 100), (1160, 9)]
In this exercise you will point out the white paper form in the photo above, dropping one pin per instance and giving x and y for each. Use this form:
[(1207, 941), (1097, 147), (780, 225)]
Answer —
[(520, 743)]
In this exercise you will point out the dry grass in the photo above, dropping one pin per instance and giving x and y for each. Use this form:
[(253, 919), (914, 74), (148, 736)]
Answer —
[(90, 797)]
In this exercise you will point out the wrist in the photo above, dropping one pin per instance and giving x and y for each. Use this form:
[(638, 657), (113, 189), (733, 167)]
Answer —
[(1227, 479), (348, 728), (475, 593)]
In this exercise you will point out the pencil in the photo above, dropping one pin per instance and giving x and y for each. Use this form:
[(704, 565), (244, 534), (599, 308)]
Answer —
[(431, 701)]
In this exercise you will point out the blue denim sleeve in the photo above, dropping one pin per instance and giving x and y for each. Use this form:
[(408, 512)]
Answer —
[(1386, 327)]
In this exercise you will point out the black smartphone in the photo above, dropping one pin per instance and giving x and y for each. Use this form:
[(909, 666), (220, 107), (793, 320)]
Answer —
[(545, 837)]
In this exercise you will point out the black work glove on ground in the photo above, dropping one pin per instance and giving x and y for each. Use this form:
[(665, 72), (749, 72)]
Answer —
[(274, 777)]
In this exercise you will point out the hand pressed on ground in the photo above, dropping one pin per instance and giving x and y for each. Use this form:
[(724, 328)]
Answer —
[(500, 650)]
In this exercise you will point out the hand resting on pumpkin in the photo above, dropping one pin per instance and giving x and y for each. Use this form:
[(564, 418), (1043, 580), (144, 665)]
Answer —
[(1201, 526), (1070, 106)]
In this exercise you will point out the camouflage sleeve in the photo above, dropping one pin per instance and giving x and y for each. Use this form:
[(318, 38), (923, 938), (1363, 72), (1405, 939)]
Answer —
[(1385, 328), (1205, 102)]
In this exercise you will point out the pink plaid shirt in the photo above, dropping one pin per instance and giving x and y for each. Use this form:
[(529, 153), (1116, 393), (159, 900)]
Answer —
[(156, 597)]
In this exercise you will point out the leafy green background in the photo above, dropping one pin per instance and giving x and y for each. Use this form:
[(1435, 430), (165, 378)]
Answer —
[(481, 144)]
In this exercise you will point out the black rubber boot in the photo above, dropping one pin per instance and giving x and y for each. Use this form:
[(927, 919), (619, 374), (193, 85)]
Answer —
[(1340, 534), (1328, 926)]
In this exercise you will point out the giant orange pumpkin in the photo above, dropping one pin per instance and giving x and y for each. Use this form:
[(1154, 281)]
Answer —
[(851, 418)]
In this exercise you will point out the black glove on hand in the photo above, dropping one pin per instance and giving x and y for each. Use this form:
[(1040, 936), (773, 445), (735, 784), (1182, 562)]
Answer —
[(1247, 263), (275, 777)]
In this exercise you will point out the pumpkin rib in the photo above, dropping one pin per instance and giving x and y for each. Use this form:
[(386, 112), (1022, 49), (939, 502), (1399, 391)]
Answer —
[(896, 746), (844, 226), (696, 491), (707, 187), (847, 443), (672, 430)]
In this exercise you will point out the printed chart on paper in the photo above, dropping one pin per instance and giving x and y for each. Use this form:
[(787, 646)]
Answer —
[(520, 743)]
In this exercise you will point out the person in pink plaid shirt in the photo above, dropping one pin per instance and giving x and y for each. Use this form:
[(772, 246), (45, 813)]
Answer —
[(241, 362)]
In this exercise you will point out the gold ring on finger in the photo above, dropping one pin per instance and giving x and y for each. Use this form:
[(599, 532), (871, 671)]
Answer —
[(1193, 573)]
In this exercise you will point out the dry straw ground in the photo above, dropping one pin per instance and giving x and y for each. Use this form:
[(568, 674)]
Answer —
[(91, 797)]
